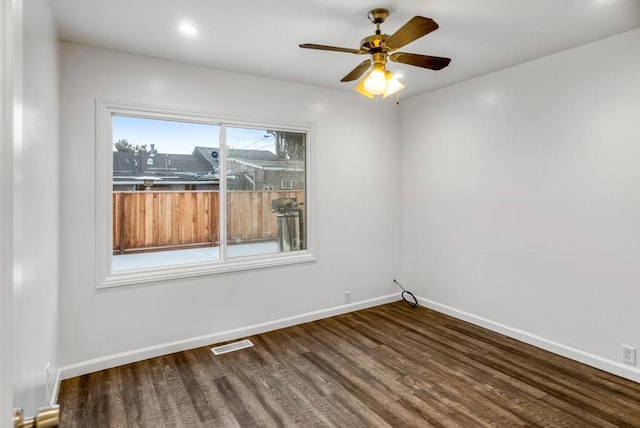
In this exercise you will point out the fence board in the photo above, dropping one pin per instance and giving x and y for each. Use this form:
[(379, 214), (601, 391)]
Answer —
[(169, 235), (148, 221)]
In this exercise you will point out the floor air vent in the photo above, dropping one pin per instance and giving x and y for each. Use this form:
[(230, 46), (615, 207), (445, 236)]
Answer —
[(230, 347)]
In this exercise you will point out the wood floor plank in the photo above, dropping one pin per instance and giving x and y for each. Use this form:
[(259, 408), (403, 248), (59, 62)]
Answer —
[(354, 412), (272, 388), (138, 392), (530, 383), (565, 371), (206, 368), (73, 397), (294, 385), (113, 400), (387, 366), (315, 378), (239, 406), (171, 394), (194, 394)]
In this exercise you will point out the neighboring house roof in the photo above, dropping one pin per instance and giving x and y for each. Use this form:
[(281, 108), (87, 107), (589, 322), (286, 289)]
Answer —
[(259, 159), (254, 155), (200, 165), (279, 165), (176, 166)]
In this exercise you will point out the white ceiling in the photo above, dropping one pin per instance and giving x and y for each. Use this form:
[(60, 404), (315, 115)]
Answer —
[(261, 37)]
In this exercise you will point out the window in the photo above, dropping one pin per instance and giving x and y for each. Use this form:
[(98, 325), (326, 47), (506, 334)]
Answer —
[(261, 219), (183, 194)]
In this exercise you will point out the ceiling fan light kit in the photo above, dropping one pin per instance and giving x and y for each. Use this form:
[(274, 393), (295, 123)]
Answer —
[(376, 82), (379, 81), (393, 85)]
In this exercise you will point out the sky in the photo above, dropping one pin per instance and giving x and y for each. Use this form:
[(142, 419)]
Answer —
[(181, 137)]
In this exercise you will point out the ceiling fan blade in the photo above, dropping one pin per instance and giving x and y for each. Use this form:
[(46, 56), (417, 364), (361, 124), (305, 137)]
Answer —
[(415, 28), (330, 48), (424, 61), (357, 72)]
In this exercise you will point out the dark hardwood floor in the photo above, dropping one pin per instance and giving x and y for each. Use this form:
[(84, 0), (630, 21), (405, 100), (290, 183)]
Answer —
[(385, 366)]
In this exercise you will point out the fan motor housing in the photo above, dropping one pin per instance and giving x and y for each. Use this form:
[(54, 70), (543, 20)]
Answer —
[(374, 43)]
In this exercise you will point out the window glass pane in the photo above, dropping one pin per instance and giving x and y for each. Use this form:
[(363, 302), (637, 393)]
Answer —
[(265, 191), (165, 193)]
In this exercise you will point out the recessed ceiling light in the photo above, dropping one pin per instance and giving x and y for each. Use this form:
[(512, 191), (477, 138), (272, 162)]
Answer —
[(188, 29)]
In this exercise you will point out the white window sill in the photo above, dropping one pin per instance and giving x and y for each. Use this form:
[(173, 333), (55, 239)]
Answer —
[(157, 274)]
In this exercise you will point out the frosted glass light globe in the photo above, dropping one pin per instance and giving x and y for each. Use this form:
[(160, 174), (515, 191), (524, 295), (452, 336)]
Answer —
[(376, 82)]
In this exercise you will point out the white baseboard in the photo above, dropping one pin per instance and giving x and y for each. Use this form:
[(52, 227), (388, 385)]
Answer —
[(90, 366), (133, 356), (593, 360), (56, 388)]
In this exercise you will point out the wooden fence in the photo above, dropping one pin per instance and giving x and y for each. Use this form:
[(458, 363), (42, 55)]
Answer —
[(166, 220)]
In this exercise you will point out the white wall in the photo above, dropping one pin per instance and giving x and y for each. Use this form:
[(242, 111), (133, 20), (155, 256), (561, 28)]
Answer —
[(9, 21), (521, 196), (35, 203), (357, 177)]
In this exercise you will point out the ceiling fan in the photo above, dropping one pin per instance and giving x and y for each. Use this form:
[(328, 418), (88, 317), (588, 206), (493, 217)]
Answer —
[(380, 81)]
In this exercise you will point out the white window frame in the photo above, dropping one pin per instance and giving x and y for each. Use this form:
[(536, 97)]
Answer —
[(106, 278)]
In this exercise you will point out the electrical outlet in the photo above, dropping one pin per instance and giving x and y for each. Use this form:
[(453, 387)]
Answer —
[(347, 297), (628, 355)]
